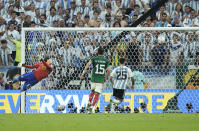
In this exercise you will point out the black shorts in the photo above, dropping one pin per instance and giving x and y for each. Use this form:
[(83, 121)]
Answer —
[(118, 93)]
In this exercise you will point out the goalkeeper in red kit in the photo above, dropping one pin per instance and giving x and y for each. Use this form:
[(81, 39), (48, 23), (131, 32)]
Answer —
[(43, 69)]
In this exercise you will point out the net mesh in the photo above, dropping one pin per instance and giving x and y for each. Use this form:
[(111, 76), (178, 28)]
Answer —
[(166, 58)]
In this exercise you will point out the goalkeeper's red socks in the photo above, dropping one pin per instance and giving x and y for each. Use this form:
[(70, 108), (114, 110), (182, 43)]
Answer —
[(95, 99), (91, 96)]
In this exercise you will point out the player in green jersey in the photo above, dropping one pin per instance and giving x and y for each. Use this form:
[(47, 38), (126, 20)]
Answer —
[(100, 72)]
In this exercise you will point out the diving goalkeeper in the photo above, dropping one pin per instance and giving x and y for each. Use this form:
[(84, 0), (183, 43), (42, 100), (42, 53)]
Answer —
[(43, 69)]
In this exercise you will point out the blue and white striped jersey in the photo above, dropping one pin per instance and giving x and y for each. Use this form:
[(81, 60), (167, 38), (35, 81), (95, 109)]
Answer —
[(120, 75)]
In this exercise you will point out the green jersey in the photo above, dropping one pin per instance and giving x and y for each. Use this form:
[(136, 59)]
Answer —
[(100, 65)]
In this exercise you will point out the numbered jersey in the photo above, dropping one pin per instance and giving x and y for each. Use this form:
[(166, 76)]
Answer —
[(99, 69), (121, 74)]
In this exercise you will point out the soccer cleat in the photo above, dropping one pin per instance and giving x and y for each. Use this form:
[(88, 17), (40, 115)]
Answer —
[(88, 106), (90, 109)]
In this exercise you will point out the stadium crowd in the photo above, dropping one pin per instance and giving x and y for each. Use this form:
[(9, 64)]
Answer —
[(70, 50)]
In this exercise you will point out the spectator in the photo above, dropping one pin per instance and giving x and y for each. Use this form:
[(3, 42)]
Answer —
[(125, 21), (73, 9), (134, 18), (53, 51), (170, 6), (3, 84), (79, 16), (83, 8), (67, 53), (176, 22), (5, 53), (13, 34), (49, 5), (21, 19), (66, 4), (67, 16), (189, 49), (62, 23), (25, 4), (146, 47), (194, 4), (27, 21), (80, 23), (163, 22), (187, 10), (7, 16), (117, 8), (118, 17), (39, 54), (133, 52), (192, 20), (88, 48), (18, 8), (175, 49), (143, 4), (178, 12), (9, 3), (14, 19), (52, 17), (95, 6), (148, 20), (42, 21), (55, 23), (86, 20), (70, 23), (96, 21), (18, 49), (160, 57), (106, 11), (2, 9), (36, 19), (31, 12), (137, 10), (107, 22), (60, 13), (2, 26), (162, 11), (41, 5)]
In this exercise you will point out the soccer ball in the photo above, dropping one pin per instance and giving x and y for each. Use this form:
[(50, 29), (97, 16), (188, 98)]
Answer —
[(161, 39), (60, 108)]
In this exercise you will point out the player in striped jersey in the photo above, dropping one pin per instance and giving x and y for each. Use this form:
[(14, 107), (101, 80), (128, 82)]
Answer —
[(119, 78)]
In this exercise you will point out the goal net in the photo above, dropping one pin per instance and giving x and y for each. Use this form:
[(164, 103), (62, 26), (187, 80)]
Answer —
[(164, 62)]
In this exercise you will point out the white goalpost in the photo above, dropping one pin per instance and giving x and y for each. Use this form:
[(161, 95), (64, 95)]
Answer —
[(166, 56)]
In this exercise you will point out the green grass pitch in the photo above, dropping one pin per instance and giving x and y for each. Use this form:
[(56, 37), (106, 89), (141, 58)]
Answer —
[(99, 122)]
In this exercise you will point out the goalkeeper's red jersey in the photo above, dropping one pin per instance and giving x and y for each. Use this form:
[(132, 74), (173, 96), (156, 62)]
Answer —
[(42, 71)]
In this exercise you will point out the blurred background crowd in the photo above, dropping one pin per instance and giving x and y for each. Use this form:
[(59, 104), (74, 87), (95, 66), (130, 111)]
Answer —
[(153, 51)]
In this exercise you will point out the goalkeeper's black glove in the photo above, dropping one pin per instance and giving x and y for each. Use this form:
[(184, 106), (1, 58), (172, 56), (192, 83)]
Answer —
[(23, 64)]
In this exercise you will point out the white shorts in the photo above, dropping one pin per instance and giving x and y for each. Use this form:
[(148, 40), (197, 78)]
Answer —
[(97, 87)]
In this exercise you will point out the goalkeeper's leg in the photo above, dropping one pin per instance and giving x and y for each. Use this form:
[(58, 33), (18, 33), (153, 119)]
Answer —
[(24, 77), (29, 79)]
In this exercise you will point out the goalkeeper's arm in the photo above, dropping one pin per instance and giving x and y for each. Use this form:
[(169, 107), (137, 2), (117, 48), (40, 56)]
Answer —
[(31, 66)]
